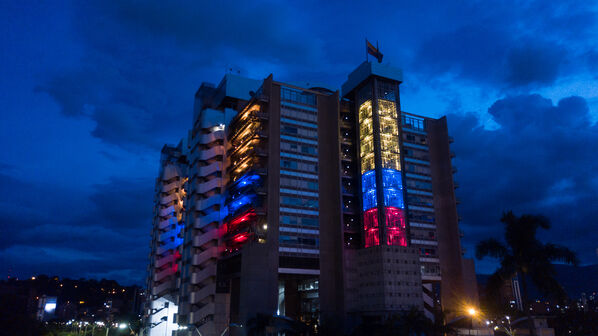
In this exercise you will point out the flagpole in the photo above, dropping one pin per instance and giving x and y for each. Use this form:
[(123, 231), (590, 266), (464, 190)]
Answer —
[(366, 50)]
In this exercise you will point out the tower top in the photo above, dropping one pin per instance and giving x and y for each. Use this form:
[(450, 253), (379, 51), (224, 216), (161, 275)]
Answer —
[(367, 69)]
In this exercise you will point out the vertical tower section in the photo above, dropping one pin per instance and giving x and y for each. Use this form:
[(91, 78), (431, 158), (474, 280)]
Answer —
[(201, 304), (167, 238), (383, 206), (383, 274), (244, 201)]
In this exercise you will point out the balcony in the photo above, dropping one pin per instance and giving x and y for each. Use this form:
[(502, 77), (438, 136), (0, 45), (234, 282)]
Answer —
[(164, 260), (210, 169), (203, 221), (163, 273), (167, 211), (201, 258), (214, 183), (202, 294), (170, 186), (165, 236), (201, 316), (211, 153), (206, 203), (168, 199), (211, 137), (200, 276), (205, 238), (163, 288), (167, 222)]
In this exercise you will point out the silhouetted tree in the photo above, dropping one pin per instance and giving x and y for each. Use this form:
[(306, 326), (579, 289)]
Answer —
[(525, 255)]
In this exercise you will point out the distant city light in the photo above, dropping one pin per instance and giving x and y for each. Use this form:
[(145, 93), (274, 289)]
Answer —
[(122, 326), (50, 307)]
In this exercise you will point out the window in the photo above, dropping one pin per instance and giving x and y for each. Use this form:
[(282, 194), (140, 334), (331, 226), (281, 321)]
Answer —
[(289, 129), (298, 96)]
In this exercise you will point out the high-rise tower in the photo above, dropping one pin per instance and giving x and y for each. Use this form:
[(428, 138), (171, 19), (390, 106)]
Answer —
[(301, 204)]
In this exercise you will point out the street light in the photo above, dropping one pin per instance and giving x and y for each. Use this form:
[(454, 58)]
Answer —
[(472, 312)]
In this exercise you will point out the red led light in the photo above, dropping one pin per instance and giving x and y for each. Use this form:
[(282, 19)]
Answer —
[(370, 225), (395, 227), (177, 255), (241, 237), (237, 222)]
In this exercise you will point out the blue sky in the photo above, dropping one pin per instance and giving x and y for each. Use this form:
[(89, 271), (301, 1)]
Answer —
[(92, 90)]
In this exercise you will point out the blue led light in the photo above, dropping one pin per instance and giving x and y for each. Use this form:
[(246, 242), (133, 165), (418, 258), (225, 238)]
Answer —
[(392, 178), (392, 186), (246, 180), (368, 181), (238, 203), (369, 200), (368, 188), (393, 198)]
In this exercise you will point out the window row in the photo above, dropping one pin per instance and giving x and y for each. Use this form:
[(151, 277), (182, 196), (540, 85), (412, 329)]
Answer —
[(296, 183), (420, 200), (417, 169), (298, 96), (298, 165), (417, 154), (414, 123), (298, 114), (299, 202), (293, 147), (294, 130), (299, 221), (295, 240), (417, 184)]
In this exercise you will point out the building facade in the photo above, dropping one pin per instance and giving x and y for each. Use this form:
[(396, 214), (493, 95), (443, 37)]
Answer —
[(163, 282), (308, 204)]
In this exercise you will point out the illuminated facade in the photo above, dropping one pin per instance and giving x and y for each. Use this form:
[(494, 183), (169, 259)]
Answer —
[(169, 222), (201, 304), (319, 207)]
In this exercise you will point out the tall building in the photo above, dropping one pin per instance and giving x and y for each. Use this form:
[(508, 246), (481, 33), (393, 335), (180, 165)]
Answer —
[(307, 204), (168, 225)]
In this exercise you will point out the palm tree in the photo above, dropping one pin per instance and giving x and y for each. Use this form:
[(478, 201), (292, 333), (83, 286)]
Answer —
[(526, 256)]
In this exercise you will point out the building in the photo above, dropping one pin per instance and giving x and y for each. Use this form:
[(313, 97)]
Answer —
[(163, 282), (314, 205)]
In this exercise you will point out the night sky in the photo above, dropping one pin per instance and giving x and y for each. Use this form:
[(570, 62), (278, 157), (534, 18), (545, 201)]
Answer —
[(91, 90)]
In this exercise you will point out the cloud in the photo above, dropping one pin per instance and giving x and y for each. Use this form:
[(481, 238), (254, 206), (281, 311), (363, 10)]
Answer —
[(537, 44), (536, 162), (58, 231)]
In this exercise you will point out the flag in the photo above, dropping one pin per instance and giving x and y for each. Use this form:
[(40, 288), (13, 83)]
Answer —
[(373, 51)]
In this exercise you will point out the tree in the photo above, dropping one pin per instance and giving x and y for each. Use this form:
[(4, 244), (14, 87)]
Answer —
[(526, 256)]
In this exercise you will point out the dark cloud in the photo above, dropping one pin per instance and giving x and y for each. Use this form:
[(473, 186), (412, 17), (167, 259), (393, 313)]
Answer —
[(58, 231), (537, 161), (530, 64), (533, 47)]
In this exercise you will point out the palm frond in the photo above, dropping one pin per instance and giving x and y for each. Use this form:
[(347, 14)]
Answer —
[(555, 252), (491, 248)]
